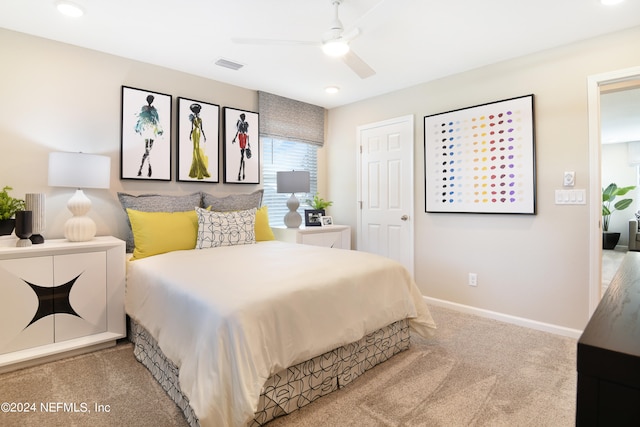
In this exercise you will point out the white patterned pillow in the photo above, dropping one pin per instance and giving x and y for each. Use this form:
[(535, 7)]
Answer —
[(225, 228)]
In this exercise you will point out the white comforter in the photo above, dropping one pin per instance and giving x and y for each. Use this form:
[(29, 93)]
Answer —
[(230, 317)]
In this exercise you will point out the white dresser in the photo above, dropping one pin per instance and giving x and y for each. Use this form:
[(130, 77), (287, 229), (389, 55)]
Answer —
[(60, 298)]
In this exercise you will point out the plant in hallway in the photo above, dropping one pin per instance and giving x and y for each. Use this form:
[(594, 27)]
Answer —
[(609, 195), (609, 206)]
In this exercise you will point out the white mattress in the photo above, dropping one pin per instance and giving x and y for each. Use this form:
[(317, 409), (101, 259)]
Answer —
[(230, 317)]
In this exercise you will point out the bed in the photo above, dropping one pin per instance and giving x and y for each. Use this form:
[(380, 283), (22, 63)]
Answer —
[(240, 328)]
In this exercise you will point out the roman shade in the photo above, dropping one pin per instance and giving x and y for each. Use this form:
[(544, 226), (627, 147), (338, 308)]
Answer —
[(290, 120)]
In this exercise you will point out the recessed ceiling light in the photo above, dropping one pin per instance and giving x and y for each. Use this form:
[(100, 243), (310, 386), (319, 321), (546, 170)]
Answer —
[(69, 9), (610, 2), (332, 89)]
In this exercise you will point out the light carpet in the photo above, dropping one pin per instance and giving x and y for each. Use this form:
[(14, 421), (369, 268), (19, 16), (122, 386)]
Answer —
[(475, 372)]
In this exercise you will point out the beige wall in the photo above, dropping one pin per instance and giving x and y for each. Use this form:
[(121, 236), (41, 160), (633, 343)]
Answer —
[(531, 267), (58, 97)]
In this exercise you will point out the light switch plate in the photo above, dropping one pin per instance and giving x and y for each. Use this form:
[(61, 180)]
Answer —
[(571, 197)]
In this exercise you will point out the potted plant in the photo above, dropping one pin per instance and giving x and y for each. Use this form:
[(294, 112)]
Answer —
[(8, 208), (318, 203), (609, 206)]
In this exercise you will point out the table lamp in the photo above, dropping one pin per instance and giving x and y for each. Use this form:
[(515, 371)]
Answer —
[(79, 170), (292, 182)]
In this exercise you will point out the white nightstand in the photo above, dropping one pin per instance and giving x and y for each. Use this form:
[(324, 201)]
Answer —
[(60, 298), (331, 236)]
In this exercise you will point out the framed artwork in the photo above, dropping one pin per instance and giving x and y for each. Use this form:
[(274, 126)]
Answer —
[(241, 146), (145, 141), (326, 221), (312, 217), (481, 159), (198, 145)]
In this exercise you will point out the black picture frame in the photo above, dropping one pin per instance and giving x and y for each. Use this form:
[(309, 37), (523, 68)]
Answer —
[(198, 147), (145, 135), (241, 163), (481, 159), (312, 217)]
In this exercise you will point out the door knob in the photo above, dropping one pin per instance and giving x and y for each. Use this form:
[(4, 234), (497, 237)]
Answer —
[(404, 217)]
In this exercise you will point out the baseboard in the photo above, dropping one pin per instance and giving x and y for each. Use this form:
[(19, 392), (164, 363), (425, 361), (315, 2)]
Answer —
[(520, 321)]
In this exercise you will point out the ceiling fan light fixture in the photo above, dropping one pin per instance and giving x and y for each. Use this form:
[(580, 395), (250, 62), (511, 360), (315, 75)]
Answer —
[(68, 8), (335, 48)]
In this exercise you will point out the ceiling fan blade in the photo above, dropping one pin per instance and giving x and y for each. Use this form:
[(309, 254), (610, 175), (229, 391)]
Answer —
[(361, 68), (273, 42)]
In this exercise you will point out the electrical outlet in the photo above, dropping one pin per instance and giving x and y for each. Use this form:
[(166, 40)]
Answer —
[(473, 279)]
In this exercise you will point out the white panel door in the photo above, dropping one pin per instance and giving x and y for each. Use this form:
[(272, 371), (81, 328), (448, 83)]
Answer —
[(385, 221)]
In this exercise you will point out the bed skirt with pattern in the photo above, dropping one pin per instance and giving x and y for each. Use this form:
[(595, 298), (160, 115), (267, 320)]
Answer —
[(291, 388)]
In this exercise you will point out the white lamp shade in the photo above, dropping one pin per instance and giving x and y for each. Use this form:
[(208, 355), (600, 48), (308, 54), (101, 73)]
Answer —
[(293, 182), (79, 170)]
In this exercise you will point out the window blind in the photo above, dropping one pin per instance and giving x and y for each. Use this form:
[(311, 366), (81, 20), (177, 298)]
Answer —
[(291, 120), (278, 155)]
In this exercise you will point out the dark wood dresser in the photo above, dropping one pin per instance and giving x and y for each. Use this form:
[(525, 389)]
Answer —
[(609, 354)]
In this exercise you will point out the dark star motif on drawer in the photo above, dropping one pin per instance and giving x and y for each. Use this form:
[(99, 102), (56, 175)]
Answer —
[(53, 300)]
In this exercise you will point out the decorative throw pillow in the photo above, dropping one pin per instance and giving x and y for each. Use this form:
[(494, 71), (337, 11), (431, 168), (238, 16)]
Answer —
[(263, 229), (225, 228), (156, 203), (160, 232), (638, 219), (232, 202)]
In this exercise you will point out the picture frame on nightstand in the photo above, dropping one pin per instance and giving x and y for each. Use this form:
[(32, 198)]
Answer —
[(312, 217), (326, 221)]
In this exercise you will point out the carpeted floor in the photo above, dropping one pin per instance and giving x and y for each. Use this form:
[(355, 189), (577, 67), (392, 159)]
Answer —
[(475, 372)]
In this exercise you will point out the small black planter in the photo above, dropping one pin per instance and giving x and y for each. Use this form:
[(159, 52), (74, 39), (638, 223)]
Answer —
[(24, 227), (7, 226), (610, 240)]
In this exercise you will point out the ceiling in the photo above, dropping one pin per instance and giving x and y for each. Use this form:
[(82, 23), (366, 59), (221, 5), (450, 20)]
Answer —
[(406, 42)]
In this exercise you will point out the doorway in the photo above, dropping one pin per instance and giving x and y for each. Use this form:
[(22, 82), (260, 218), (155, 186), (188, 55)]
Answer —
[(385, 189), (594, 86)]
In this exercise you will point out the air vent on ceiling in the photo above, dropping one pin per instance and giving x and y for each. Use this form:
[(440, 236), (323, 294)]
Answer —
[(228, 64)]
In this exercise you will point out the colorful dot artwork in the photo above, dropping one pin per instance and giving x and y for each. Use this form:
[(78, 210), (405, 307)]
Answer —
[(481, 159)]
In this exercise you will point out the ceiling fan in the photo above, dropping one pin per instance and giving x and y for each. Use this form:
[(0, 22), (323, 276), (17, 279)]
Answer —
[(335, 42)]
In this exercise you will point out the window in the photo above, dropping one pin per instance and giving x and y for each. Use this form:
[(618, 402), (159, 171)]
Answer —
[(279, 155)]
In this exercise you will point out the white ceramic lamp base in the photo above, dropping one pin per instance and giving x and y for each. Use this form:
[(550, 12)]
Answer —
[(79, 228)]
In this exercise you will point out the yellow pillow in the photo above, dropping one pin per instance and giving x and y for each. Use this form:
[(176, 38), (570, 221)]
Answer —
[(263, 229), (159, 232)]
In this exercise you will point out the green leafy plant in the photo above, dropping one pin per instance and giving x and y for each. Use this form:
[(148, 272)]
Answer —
[(9, 205), (318, 202), (609, 195)]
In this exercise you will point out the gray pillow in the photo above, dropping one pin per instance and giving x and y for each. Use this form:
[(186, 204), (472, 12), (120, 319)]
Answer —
[(233, 202), (156, 203)]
